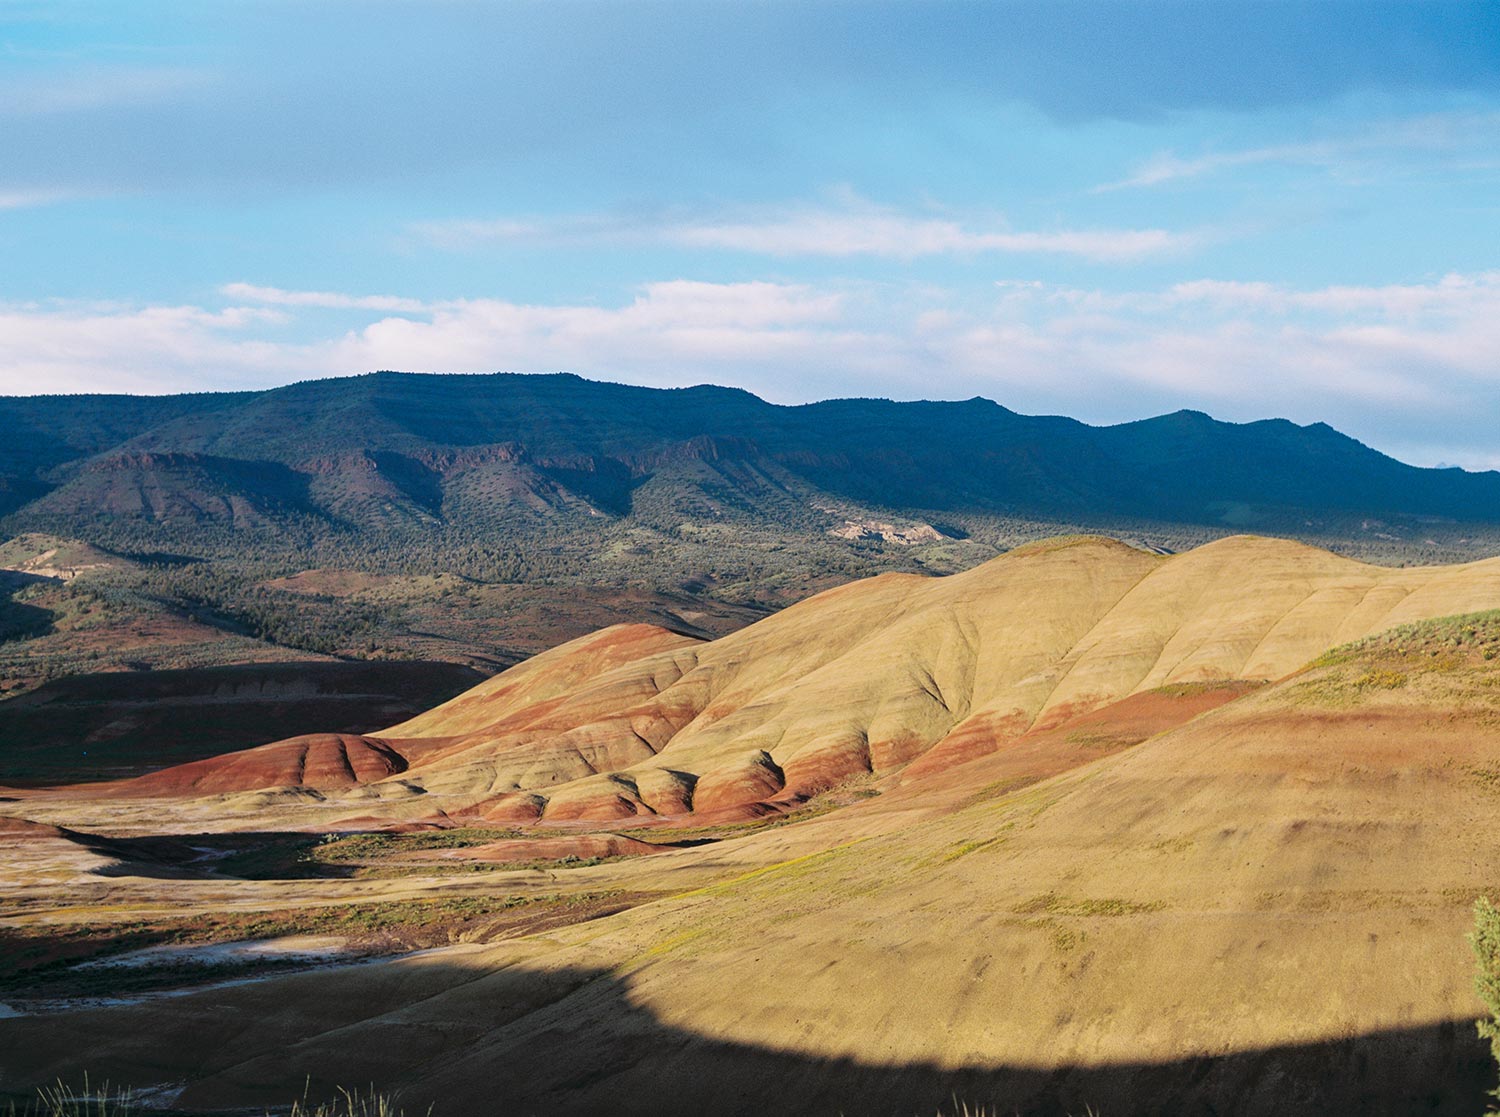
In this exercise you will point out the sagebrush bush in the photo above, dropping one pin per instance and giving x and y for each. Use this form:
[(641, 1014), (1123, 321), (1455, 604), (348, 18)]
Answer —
[(1485, 940)]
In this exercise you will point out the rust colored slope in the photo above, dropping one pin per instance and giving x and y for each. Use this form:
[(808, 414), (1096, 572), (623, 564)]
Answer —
[(340, 761), (557, 672), (319, 761)]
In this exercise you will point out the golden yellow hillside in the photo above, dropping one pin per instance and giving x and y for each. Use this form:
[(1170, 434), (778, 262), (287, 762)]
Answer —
[(636, 723), (1082, 829)]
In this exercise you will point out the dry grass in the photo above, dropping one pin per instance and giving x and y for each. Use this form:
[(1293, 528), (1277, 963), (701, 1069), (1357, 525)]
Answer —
[(350, 1103), (62, 1100), (1460, 636), (1458, 648), (1051, 903)]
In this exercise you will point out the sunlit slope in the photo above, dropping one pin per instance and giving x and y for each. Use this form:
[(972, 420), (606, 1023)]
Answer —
[(878, 674), (891, 679), (541, 678), (1260, 911), (1294, 868)]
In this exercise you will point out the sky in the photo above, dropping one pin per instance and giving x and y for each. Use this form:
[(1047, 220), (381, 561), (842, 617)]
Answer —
[(1109, 209)]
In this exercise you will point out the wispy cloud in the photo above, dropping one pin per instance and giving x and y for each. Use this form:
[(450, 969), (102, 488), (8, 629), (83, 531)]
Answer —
[(327, 300), (1451, 296), (29, 199), (1170, 167), (878, 234), (857, 229), (1445, 132), (76, 90)]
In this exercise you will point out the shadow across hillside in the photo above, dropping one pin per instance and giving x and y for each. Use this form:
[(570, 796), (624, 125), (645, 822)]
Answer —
[(18, 619), (114, 725), (565, 1042)]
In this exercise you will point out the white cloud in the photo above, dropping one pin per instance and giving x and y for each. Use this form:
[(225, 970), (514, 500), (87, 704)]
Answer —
[(464, 233), (855, 229), (679, 331), (144, 349), (1408, 365), (903, 237), (329, 300), (1451, 295)]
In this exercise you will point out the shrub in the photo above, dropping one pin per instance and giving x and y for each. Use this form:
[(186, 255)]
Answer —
[(1485, 940)]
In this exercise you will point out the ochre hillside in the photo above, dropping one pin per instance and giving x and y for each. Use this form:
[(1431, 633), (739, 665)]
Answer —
[(1259, 911), (896, 679)]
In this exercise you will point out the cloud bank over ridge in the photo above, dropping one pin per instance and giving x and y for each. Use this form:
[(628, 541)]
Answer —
[(1350, 355)]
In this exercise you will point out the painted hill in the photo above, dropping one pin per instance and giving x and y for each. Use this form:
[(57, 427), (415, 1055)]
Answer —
[(897, 678), (1275, 893), (1158, 887)]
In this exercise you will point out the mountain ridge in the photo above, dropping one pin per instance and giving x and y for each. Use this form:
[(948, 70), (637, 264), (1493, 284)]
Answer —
[(387, 459)]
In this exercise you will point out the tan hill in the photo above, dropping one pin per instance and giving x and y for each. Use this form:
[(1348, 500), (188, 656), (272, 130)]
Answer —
[(893, 679), (46, 556), (1259, 911)]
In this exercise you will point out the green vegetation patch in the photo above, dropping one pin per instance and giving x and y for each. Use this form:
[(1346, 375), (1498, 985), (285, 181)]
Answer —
[(1099, 741), (1209, 686), (372, 847), (303, 856), (1065, 940), (999, 790), (1452, 641), (1050, 903), (1459, 648), (1487, 776), (973, 845)]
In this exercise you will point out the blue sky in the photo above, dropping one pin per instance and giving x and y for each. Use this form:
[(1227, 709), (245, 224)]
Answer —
[(1104, 209)]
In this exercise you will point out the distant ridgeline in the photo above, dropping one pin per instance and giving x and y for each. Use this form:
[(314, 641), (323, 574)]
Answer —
[(517, 477)]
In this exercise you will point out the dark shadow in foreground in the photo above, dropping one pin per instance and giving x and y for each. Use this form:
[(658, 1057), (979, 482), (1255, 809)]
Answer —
[(519, 1041)]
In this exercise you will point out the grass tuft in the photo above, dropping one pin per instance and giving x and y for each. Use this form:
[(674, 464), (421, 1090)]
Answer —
[(350, 1103), (1050, 903), (62, 1100)]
